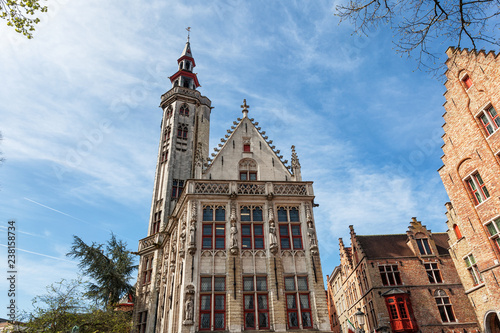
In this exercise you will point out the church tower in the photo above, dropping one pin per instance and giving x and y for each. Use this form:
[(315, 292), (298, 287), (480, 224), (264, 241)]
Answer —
[(232, 243)]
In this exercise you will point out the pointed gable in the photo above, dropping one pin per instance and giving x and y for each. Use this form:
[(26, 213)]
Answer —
[(247, 151)]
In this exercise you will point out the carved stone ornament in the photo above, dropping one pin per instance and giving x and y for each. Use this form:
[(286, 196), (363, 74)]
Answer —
[(192, 237), (234, 238), (308, 214), (295, 159), (182, 240)]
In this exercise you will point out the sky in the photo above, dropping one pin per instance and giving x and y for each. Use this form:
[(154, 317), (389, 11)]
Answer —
[(80, 120)]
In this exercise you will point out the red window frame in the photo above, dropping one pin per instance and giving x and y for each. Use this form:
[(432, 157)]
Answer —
[(246, 147), (401, 313), (156, 223), (206, 311), (211, 233), (249, 236), (304, 309), (292, 310), (182, 132), (207, 235), (184, 110), (213, 293), (164, 156), (477, 188), (220, 238), (177, 187), (284, 236), (488, 125)]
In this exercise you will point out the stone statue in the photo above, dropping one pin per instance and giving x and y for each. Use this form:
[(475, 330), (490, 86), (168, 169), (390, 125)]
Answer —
[(313, 241), (192, 233), (188, 309), (182, 240), (234, 238), (273, 241)]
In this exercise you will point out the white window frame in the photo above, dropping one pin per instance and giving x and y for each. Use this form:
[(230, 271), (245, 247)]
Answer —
[(496, 225), (486, 111), (477, 279), (479, 189)]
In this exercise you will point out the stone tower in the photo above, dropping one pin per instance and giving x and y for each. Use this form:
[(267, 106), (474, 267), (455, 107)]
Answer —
[(471, 176), (236, 249)]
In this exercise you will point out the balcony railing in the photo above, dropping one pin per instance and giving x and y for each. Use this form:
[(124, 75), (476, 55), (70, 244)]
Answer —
[(249, 188), (150, 241)]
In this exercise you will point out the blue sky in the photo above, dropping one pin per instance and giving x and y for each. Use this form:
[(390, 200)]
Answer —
[(80, 119)]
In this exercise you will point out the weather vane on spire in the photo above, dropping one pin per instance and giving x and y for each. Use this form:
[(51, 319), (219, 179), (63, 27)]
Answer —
[(188, 30)]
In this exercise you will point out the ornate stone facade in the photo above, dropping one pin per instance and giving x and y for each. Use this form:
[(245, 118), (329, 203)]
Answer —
[(236, 249)]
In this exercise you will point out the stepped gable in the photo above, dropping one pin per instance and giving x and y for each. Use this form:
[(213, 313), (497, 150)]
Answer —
[(245, 140)]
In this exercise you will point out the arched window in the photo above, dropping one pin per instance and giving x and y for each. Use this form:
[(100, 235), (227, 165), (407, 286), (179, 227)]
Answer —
[(182, 131), (248, 169), (169, 111), (444, 306), (457, 231), (184, 110)]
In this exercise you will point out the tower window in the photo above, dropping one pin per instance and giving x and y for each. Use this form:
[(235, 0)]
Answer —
[(490, 120), (477, 188), (444, 306), (467, 82), (169, 111), (184, 110), (147, 269), (156, 223), (182, 132), (164, 156), (177, 187)]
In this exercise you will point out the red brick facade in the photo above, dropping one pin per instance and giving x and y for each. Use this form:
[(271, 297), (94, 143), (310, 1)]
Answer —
[(403, 283), (471, 176)]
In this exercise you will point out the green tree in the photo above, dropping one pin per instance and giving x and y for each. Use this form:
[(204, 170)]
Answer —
[(20, 15), (110, 267), (421, 26), (66, 306)]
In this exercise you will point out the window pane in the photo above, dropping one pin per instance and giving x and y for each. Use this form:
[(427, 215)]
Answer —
[(219, 284), (302, 282), (219, 230), (248, 284), (220, 243), (219, 321), (207, 229), (207, 243), (245, 214), (205, 302), (283, 230), (426, 246), (257, 214), (205, 321), (220, 214), (297, 243), (208, 214), (262, 302), (296, 230), (206, 284), (261, 283), (246, 243), (282, 217), (259, 243), (294, 215), (304, 302), (245, 230), (289, 283), (253, 176), (258, 230), (306, 319), (219, 302), (250, 320), (293, 319), (285, 243), (243, 176), (263, 320), (291, 303), (249, 302)]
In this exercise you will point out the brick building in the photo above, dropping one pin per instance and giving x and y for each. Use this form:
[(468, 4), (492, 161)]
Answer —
[(231, 242), (332, 310), (402, 283), (471, 176)]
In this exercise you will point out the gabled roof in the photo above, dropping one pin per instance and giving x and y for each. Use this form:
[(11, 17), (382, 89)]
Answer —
[(387, 246), (226, 158)]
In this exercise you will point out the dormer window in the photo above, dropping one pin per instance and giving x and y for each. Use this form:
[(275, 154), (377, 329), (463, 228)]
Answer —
[(423, 246)]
